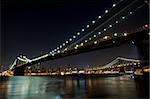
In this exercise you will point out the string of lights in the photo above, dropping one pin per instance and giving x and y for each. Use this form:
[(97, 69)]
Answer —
[(82, 30), (62, 48), (109, 27)]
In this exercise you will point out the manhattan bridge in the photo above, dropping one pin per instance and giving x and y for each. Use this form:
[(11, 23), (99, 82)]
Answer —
[(106, 31)]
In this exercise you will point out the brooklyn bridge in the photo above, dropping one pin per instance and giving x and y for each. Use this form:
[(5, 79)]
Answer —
[(96, 36)]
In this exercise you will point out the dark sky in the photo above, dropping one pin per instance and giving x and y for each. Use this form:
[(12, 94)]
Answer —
[(35, 27)]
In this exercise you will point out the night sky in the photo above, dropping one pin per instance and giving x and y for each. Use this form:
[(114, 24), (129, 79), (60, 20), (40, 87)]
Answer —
[(35, 27)]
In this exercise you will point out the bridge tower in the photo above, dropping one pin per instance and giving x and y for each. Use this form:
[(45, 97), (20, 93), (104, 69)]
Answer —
[(16, 66), (142, 44), (19, 71)]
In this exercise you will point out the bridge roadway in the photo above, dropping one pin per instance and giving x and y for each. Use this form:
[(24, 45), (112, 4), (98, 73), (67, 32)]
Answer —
[(141, 40)]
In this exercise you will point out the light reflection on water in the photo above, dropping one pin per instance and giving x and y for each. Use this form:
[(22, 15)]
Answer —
[(23, 87)]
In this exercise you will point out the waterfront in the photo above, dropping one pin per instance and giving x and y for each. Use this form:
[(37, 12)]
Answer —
[(46, 87)]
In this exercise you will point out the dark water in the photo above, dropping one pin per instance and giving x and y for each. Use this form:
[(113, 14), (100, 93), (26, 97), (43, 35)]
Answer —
[(23, 87)]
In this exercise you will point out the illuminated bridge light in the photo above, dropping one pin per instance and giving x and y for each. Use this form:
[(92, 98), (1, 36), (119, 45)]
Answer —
[(66, 41), (63, 44), (50, 53), (130, 64), (114, 5), (93, 22), (132, 42), (81, 44), (95, 42), (94, 36), (82, 30), (130, 12), (106, 11), (110, 25), (21, 55), (77, 45), (85, 41), (116, 21), (57, 47), (24, 57), (134, 63), (99, 33), (75, 48), (104, 29), (90, 38), (99, 17), (78, 33), (74, 36), (88, 26), (66, 49), (125, 34), (70, 39), (105, 37), (115, 34), (60, 46), (58, 51), (123, 17), (146, 26)]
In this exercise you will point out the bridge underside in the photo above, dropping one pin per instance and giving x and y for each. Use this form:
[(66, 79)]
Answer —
[(19, 71), (141, 40)]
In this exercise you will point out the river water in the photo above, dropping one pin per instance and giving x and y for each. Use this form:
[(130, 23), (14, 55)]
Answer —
[(39, 87)]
